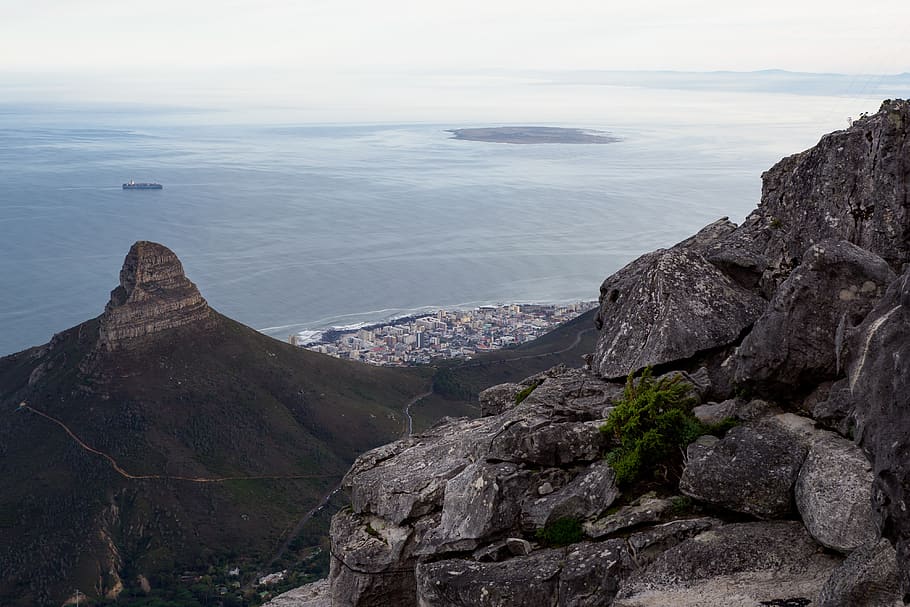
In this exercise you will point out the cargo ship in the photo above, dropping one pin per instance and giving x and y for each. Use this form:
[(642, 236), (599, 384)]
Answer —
[(135, 185)]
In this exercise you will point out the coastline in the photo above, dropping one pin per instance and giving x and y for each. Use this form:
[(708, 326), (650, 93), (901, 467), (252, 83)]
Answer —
[(421, 336)]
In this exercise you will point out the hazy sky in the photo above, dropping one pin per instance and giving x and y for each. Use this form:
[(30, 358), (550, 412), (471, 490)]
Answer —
[(801, 35), (325, 51)]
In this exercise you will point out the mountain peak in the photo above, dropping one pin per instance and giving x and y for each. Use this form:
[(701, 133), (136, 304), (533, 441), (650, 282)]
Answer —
[(154, 296)]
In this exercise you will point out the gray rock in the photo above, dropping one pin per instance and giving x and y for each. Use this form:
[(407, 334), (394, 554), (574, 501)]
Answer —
[(581, 575), (796, 341), (834, 494), (497, 399), (407, 479), (852, 186), (714, 413), (647, 545), (879, 381), (482, 501), (593, 573), (310, 595), (868, 578), (589, 494), (500, 551), (646, 509), (741, 564), (371, 564), (538, 441), (532, 580), (751, 470), (665, 307)]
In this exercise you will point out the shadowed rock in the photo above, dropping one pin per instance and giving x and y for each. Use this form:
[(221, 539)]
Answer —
[(799, 338), (154, 296)]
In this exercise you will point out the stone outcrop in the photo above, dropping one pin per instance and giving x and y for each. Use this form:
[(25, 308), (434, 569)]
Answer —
[(853, 185), (799, 340), (878, 379), (742, 564), (834, 494), (751, 470), (665, 307), (154, 297)]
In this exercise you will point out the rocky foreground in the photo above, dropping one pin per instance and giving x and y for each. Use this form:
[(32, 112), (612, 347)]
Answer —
[(793, 328)]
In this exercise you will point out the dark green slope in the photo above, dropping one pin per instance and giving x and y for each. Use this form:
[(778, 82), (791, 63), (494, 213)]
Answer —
[(206, 403)]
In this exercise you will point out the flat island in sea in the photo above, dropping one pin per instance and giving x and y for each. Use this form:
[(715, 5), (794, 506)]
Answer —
[(419, 339), (533, 134)]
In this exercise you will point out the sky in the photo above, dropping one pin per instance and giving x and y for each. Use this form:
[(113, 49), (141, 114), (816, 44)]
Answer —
[(286, 52)]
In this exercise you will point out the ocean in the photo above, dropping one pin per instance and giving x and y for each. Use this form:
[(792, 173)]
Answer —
[(289, 226)]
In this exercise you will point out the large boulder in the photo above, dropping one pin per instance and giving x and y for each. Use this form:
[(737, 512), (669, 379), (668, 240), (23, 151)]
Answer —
[(751, 470), (834, 494), (868, 578), (668, 306), (799, 339), (744, 564)]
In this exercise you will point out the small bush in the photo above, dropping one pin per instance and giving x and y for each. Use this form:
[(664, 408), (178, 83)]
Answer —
[(525, 392), (561, 532), (651, 422)]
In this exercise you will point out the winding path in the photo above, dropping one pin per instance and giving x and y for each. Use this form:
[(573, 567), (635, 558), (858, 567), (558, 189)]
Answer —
[(191, 479), (407, 410)]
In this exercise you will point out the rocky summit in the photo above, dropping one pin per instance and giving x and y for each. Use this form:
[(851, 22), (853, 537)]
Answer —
[(154, 296), (780, 346)]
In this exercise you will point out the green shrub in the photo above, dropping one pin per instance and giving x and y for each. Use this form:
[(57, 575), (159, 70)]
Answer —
[(651, 422), (561, 532), (525, 392)]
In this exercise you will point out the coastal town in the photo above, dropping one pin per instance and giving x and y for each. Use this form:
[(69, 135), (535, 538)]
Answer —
[(443, 334)]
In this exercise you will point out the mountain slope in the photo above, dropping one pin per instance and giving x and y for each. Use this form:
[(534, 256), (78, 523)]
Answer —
[(234, 435)]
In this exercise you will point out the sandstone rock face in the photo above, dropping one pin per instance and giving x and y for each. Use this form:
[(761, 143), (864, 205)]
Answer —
[(742, 564), (852, 186), (799, 338), (667, 306), (154, 296), (868, 578), (834, 494), (751, 470)]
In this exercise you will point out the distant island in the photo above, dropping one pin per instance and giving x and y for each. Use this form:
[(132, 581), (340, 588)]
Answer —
[(533, 134)]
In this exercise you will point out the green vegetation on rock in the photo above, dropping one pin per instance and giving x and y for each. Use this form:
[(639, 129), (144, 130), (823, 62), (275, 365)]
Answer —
[(561, 532), (651, 423), (525, 392)]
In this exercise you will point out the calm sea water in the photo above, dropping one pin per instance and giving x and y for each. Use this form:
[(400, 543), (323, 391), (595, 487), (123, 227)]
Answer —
[(288, 227)]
